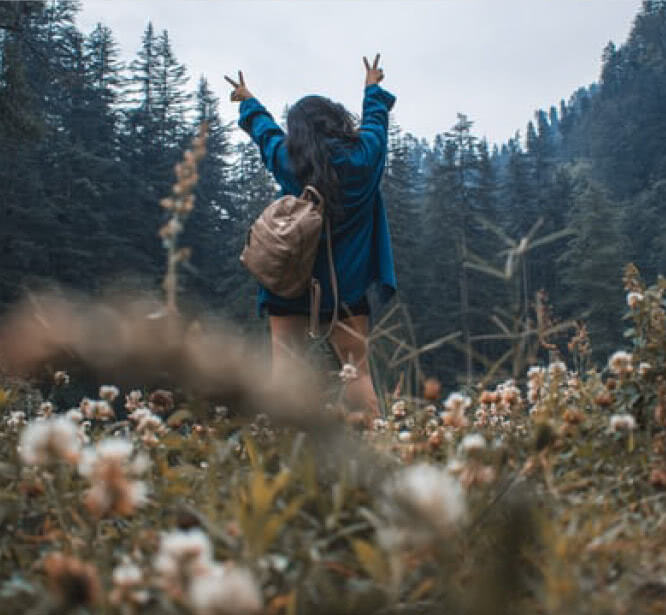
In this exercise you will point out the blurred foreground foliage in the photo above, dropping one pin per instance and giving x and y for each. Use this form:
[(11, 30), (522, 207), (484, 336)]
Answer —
[(539, 496)]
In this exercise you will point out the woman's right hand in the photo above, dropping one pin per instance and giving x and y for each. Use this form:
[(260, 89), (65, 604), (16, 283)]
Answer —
[(240, 92), (373, 74)]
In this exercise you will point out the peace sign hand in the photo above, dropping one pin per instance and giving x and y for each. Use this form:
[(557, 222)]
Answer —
[(240, 91), (373, 74)]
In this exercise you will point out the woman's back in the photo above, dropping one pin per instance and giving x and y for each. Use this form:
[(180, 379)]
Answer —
[(362, 247)]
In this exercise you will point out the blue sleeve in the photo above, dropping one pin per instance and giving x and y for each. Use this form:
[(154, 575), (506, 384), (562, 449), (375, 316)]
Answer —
[(260, 125), (373, 131)]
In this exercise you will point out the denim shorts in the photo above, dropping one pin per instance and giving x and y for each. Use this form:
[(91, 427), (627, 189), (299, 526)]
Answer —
[(360, 307)]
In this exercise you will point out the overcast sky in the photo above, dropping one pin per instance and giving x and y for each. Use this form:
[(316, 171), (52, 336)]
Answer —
[(495, 60)]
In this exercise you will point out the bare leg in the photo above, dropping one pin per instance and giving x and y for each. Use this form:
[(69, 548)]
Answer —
[(288, 335), (350, 340)]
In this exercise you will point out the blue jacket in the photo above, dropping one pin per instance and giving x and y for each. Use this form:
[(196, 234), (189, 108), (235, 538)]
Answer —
[(361, 241)]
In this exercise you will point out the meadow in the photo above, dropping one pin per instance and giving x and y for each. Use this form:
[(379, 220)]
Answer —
[(214, 488)]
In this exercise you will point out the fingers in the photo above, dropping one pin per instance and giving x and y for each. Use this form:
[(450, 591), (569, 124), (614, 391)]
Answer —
[(240, 77), (376, 64), (367, 64), (231, 81)]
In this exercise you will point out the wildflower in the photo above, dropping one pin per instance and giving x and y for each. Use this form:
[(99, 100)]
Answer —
[(61, 378), (348, 373), (170, 229), (622, 422), (454, 419), (535, 372), (140, 413), (110, 472), (108, 392), (621, 363), (456, 402), (399, 408), (133, 400), (481, 416), (473, 442), (405, 435), (97, 409), (489, 397), (86, 406), (429, 491), (50, 440), (432, 389), (633, 299), (379, 425), (16, 420), (160, 401), (556, 369), (225, 590), (182, 555), (75, 583), (46, 409), (644, 368), (127, 581)]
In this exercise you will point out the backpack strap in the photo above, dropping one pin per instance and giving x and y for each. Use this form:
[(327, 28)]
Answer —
[(315, 292)]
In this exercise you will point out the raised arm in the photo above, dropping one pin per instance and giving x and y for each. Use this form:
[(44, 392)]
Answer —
[(377, 103), (260, 125)]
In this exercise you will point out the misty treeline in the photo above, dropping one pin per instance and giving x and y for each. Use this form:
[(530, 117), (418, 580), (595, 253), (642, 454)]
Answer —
[(89, 144)]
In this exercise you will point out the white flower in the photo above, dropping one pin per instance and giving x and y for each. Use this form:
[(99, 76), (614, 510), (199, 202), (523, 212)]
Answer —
[(458, 403), (108, 392), (405, 436), (348, 373), (114, 449), (633, 299), (127, 575), (473, 442), (139, 413), (16, 419), (149, 422), (622, 422), (49, 440), (535, 372), (110, 470), (190, 545), (399, 408), (621, 362), (225, 590), (644, 368), (181, 556), (103, 410), (379, 425), (46, 409), (428, 491)]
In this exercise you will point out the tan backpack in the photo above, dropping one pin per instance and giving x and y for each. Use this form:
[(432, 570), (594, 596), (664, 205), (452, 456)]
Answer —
[(281, 247)]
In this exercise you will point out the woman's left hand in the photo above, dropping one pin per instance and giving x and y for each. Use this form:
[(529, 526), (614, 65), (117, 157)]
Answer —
[(240, 92)]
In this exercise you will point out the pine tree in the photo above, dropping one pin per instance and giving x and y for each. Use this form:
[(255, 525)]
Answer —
[(592, 264)]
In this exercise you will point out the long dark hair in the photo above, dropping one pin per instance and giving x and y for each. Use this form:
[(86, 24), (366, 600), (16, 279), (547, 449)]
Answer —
[(311, 124)]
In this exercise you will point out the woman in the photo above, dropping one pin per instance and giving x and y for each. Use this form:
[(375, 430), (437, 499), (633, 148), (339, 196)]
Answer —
[(323, 148)]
